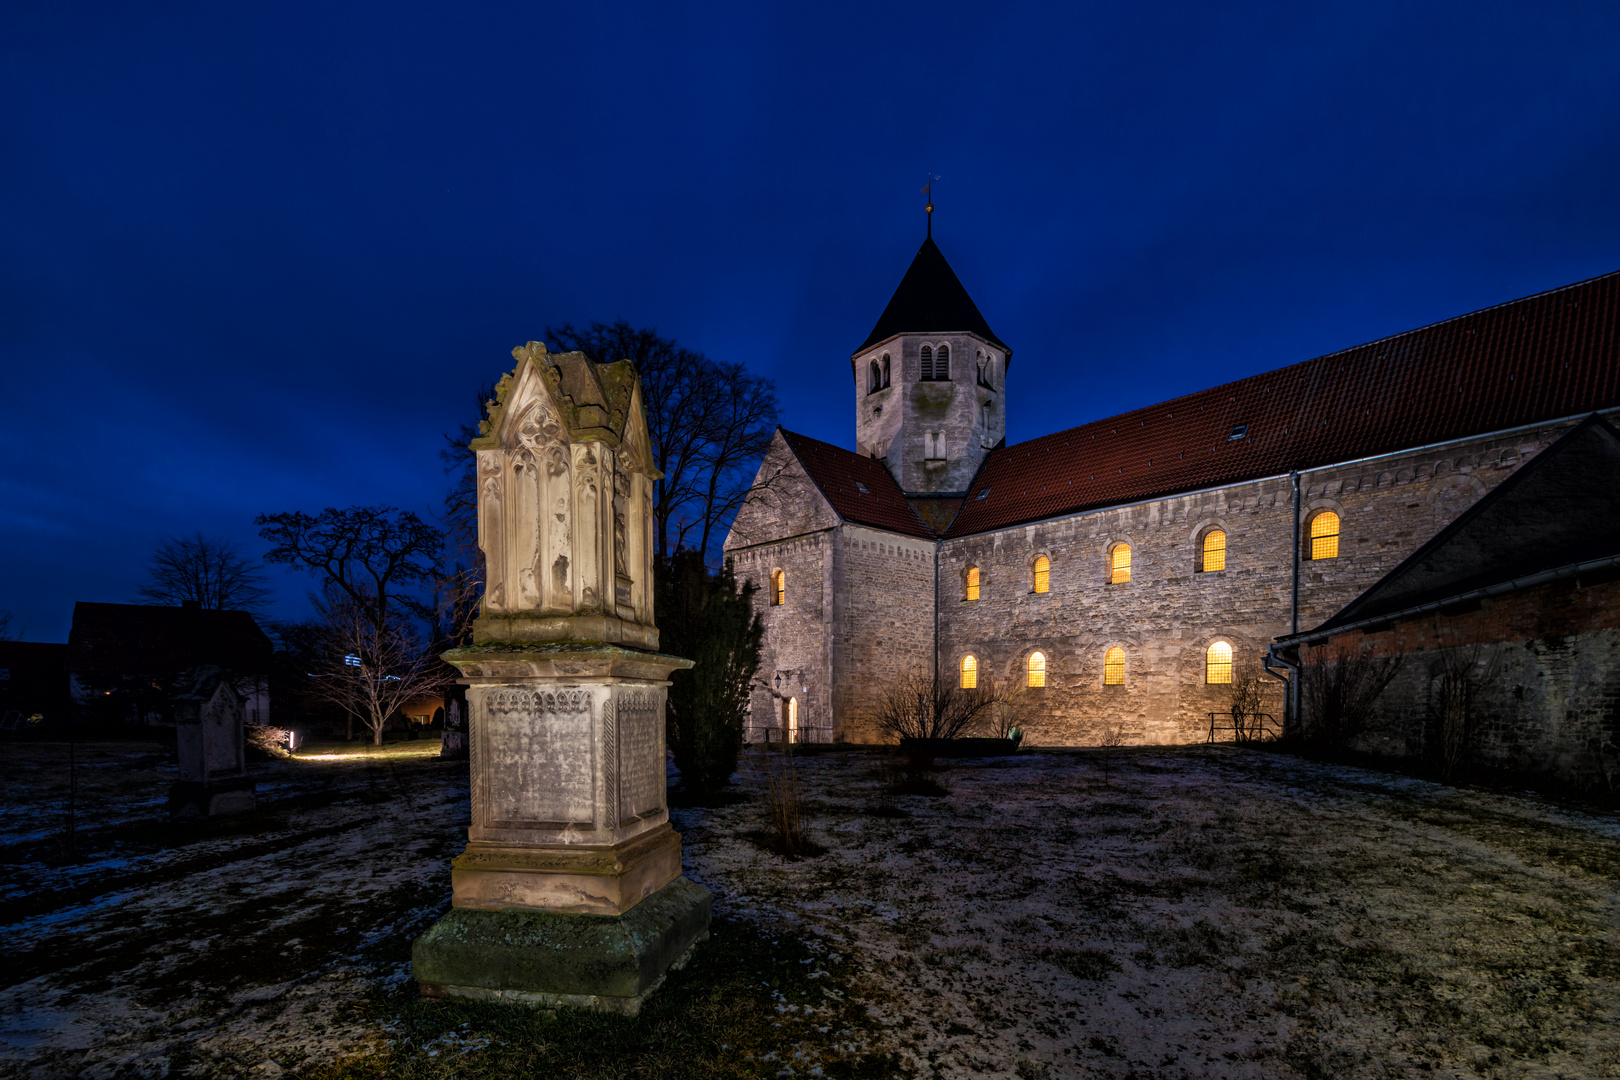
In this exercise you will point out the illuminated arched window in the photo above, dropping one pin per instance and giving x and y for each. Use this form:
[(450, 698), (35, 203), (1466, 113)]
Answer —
[(1114, 667), (1218, 663), (1325, 535), (1119, 565), (927, 371), (885, 369), (970, 672), (790, 713), (778, 587), (973, 583), (874, 380), (1214, 553), (1037, 669), (942, 363), (1043, 574)]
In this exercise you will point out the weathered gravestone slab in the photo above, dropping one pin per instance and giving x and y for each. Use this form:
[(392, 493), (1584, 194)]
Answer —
[(208, 719), (570, 890)]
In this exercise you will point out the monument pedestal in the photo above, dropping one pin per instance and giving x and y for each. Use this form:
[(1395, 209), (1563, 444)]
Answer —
[(570, 890)]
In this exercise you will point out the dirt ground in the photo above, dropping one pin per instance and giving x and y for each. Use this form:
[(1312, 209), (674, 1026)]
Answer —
[(1192, 912)]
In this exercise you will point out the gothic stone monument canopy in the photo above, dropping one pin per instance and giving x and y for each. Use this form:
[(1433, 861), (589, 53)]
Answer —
[(570, 889)]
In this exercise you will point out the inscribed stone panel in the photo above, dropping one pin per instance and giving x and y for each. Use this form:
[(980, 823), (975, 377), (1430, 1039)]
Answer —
[(641, 766), (539, 756)]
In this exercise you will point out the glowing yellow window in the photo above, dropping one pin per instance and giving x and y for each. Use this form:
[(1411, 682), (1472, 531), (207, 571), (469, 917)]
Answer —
[(1325, 535), (973, 584), (1037, 669), (792, 719), (970, 673), (1218, 663), (1119, 565), (1043, 578), (778, 586), (1114, 667), (1214, 551)]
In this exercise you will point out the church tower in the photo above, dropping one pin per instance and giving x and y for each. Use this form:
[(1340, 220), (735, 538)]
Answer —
[(930, 382)]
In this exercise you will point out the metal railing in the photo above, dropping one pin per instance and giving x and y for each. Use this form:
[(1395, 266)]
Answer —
[(1244, 727)]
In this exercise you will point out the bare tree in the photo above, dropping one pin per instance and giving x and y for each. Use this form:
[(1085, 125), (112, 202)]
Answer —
[(372, 555), (211, 572), (708, 422), (920, 706), (5, 626), (1246, 700), (1340, 687), (1454, 704), (370, 669)]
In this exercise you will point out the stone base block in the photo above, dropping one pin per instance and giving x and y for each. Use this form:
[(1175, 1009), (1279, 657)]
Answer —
[(189, 799), (610, 963), (580, 881)]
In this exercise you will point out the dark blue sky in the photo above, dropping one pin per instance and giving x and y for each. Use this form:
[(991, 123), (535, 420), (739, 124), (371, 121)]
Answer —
[(259, 257)]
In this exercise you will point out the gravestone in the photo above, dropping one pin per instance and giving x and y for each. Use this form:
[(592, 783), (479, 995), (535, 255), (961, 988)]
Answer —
[(208, 719), (570, 889), (453, 739)]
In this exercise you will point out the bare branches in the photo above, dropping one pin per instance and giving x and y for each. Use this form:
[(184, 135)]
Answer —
[(367, 553), (919, 706), (1246, 701), (211, 572), (1340, 687), (370, 669), (1454, 695)]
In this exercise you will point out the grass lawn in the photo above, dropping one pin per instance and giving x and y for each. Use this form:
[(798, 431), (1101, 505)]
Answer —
[(1188, 912)]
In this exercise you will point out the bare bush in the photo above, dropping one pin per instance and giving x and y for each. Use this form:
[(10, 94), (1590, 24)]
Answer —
[(267, 741), (1340, 687), (921, 706), (1113, 738), (1454, 704), (786, 831), (1246, 702)]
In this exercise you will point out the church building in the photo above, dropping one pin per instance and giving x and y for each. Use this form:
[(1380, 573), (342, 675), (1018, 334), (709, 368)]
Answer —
[(1127, 571)]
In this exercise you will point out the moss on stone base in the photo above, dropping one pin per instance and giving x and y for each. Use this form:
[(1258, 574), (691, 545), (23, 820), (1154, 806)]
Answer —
[(520, 954)]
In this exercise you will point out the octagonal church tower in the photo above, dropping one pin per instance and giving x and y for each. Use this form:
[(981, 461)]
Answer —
[(930, 382)]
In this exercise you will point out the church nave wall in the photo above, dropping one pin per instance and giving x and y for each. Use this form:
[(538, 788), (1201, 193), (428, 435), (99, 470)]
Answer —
[(885, 602), (795, 677)]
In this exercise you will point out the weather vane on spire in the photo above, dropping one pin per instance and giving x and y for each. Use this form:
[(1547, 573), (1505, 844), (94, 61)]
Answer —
[(928, 190)]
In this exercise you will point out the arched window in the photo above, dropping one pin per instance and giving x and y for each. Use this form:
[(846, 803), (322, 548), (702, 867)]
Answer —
[(1218, 663), (885, 369), (1037, 669), (790, 714), (778, 587), (1213, 555), (1043, 574), (1119, 565), (942, 363), (874, 379), (1114, 667), (973, 583), (970, 672), (1325, 535), (927, 371)]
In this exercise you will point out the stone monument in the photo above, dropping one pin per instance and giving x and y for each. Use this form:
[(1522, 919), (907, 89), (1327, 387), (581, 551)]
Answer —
[(208, 718), (570, 890)]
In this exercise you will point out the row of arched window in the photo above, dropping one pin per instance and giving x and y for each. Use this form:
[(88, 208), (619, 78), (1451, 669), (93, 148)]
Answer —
[(1217, 667), (1323, 543)]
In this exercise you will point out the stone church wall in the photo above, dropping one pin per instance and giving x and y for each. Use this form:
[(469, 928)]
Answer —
[(796, 662), (885, 601), (1168, 614)]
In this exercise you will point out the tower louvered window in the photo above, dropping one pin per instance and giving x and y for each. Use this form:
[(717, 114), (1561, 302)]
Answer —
[(1037, 669), (926, 371), (1218, 663), (1214, 555), (973, 583), (874, 381), (1043, 574), (1114, 667), (1325, 535), (942, 363), (970, 672), (885, 381)]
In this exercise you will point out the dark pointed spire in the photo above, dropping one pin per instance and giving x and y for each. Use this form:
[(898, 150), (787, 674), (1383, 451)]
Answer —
[(931, 300)]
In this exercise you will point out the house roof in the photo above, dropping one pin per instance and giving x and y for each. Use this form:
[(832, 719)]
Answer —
[(930, 300), (141, 639), (1547, 356), (859, 488), (1561, 508)]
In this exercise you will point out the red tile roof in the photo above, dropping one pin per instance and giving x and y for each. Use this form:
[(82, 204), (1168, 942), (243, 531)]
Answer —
[(859, 488), (1547, 356)]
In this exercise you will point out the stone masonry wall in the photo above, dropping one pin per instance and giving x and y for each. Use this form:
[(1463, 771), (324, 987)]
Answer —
[(1168, 614), (1548, 664), (884, 590), (796, 661)]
